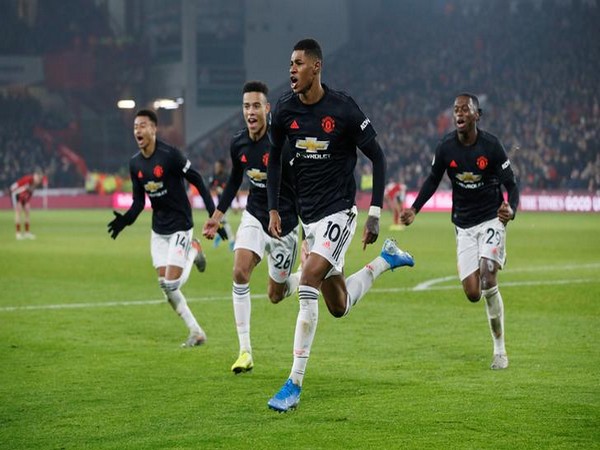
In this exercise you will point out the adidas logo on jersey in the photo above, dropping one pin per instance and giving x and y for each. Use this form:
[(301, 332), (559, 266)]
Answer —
[(294, 125)]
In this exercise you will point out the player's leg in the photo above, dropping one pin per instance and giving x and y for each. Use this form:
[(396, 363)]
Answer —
[(314, 270), (328, 241), (173, 253), (467, 255), (282, 259), (26, 212), (197, 257), (18, 213), (249, 248), (245, 261), (333, 239), (358, 284), (492, 250), (397, 211)]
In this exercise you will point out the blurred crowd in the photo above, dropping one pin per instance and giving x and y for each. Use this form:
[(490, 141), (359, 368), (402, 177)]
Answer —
[(536, 74), (21, 152), (535, 66)]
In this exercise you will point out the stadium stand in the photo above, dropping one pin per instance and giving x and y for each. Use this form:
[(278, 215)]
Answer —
[(536, 74)]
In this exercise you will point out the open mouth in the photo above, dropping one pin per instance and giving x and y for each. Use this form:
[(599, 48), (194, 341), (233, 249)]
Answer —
[(293, 82)]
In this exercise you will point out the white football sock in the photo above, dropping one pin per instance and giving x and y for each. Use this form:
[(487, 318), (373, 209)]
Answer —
[(179, 304), (291, 284), (360, 282), (306, 326), (241, 311), (495, 311)]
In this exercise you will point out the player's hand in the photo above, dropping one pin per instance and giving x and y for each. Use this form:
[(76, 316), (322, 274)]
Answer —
[(274, 224), (505, 213), (371, 231), (210, 228), (408, 216), (117, 224)]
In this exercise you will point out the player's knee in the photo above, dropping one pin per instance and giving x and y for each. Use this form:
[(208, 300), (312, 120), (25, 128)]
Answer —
[(241, 275), (488, 281), (336, 310), (473, 295), (276, 292)]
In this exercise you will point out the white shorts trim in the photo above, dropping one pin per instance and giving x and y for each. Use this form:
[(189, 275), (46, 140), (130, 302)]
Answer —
[(170, 249), (282, 252), (486, 240), (331, 236)]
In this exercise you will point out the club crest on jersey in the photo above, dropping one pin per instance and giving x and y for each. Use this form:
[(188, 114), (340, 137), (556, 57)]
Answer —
[(482, 162), (312, 145), (158, 171), (328, 124), (265, 159)]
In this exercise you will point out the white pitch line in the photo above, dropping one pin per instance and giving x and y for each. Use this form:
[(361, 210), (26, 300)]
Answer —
[(228, 297), (429, 283)]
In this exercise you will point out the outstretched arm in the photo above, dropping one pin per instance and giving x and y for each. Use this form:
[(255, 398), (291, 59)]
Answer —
[(427, 190), (122, 220)]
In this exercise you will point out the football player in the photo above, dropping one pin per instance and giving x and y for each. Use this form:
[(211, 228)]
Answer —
[(478, 167)]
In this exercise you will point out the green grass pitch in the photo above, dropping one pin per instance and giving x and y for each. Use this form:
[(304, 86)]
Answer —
[(90, 356)]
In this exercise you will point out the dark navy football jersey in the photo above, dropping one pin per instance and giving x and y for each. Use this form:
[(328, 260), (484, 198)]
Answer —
[(162, 177), (476, 173), (251, 158), (323, 138)]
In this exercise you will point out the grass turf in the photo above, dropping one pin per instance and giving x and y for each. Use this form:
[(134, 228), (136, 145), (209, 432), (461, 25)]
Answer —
[(91, 359)]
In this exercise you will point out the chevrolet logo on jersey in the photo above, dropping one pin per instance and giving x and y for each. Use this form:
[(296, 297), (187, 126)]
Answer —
[(468, 177), (256, 175), (468, 180), (312, 145), (152, 186)]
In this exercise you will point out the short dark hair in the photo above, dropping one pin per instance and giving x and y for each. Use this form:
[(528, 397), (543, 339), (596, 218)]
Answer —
[(255, 86), (310, 47), (475, 100), (149, 114)]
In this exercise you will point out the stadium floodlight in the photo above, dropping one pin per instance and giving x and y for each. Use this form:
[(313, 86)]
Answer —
[(126, 104), (166, 103)]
